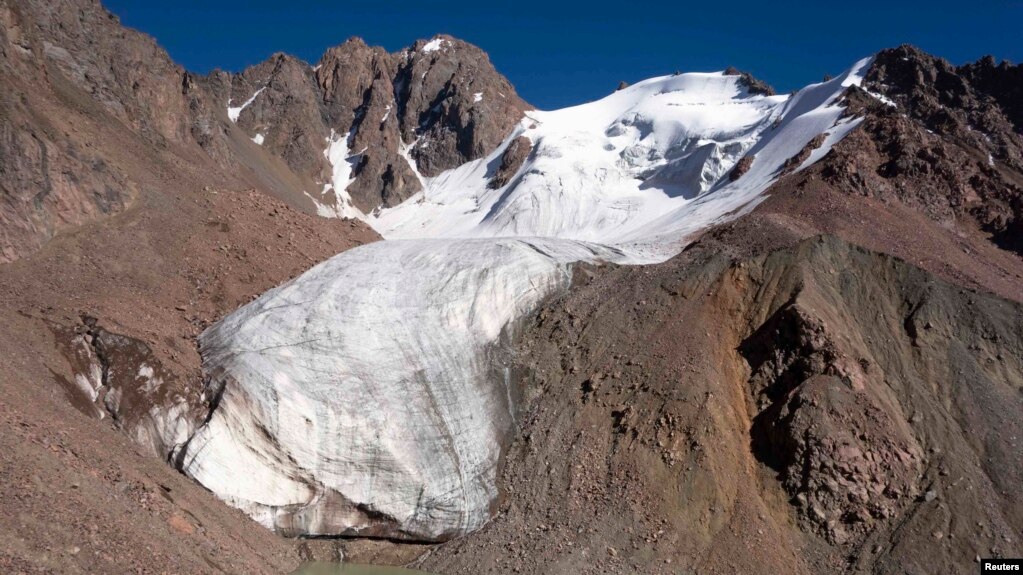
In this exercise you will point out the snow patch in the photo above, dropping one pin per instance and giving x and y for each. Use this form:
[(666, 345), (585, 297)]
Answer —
[(882, 98), (258, 139), (342, 162), (435, 44), (477, 97), (234, 113)]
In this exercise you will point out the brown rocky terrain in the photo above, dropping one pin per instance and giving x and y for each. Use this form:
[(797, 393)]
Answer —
[(817, 408), (127, 240)]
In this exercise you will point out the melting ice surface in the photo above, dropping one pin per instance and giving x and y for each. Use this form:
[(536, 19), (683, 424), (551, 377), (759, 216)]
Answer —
[(369, 395)]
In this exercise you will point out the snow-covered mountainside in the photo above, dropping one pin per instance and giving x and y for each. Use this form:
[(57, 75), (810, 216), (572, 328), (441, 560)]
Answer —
[(643, 168), (368, 395)]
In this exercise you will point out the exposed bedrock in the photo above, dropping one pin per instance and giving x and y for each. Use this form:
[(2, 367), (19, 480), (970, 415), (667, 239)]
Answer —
[(425, 109)]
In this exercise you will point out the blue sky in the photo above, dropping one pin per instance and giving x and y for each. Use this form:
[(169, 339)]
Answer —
[(558, 54)]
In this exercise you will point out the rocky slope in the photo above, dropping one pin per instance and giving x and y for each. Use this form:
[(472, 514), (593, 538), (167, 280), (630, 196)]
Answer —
[(362, 119), (127, 240), (810, 409)]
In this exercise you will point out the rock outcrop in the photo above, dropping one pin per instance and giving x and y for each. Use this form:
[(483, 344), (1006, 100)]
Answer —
[(511, 160), (54, 175), (942, 143), (751, 83), (367, 125)]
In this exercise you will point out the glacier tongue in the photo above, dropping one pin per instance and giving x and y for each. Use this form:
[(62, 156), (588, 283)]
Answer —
[(359, 398), (367, 396)]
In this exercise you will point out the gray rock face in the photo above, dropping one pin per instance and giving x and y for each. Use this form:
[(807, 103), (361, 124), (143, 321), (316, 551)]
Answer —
[(357, 85), (511, 160), (287, 112), (428, 108), (453, 103), (103, 95)]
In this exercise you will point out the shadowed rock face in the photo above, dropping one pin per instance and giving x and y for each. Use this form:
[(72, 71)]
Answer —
[(974, 104), (430, 107), (511, 160), (453, 103)]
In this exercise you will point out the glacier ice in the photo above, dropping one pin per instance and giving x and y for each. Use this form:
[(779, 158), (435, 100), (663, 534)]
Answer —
[(368, 395), (360, 398)]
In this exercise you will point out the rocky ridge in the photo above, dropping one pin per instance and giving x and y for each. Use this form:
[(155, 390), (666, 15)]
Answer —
[(398, 117), (362, 120)]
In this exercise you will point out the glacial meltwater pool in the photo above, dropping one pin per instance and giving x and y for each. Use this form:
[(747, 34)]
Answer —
[(349, 569)]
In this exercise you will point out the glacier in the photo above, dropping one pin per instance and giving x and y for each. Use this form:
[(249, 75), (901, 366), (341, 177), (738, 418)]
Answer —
[(370, 396)]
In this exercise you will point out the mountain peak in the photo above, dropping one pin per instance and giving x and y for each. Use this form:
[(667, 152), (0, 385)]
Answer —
[(748, 81)]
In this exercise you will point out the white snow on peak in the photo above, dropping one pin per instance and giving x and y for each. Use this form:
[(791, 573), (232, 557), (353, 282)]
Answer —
[(883, 99), (258, 139), (233, 113), (372, 381), (642, 169), (477, 97), (435, 44)]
